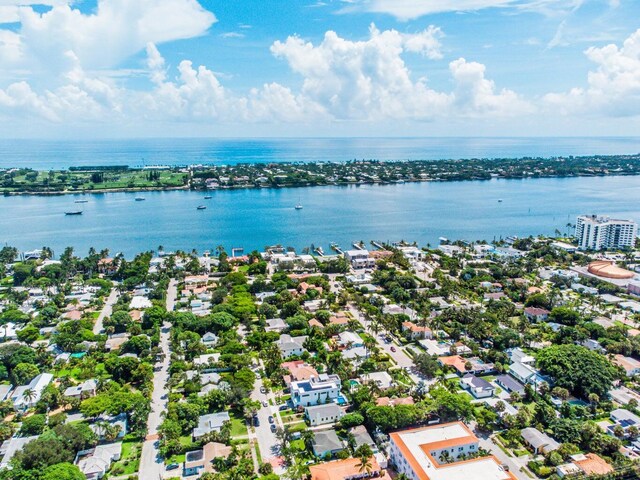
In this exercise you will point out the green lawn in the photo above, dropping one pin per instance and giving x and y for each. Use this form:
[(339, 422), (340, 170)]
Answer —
[(130, 461), (238, 427)]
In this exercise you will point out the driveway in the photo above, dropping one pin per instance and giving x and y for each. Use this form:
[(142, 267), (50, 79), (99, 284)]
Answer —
[(151, 465), (106, 311)]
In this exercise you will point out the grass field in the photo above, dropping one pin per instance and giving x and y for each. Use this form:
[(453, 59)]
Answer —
[(31, 181)]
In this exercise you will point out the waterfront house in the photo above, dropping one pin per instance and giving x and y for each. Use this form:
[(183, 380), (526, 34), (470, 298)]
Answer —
[(359, 259)]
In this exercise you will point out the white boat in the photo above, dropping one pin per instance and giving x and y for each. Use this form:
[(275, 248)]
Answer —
[(298, 207)]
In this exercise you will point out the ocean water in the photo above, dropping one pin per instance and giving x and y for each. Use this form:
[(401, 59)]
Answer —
[(45, 155), (251, 219)]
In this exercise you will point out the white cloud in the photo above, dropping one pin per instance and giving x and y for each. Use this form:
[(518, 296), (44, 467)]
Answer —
[(412, 9), (102, 39), (476, 95), (364, 79), (613, 88), (232, 35)]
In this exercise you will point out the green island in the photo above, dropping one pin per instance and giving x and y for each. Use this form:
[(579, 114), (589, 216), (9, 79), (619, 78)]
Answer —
[(282, 175)]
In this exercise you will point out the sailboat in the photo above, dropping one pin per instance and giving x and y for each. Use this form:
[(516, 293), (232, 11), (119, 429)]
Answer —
[(298, 205)]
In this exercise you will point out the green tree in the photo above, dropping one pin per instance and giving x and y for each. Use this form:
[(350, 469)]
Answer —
[(577, 369), (63, 471), (23, 373)]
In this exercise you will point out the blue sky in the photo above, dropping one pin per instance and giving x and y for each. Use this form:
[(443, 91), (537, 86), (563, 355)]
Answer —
[(120, 68)]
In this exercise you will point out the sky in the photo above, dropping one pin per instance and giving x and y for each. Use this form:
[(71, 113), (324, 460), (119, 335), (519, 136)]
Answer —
[(286, 68)]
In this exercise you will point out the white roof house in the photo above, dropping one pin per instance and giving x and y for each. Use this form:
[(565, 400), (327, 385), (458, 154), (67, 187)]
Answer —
[(37, 386), (289, 345), (210, 339), (12, 446), (96, 462), (382, 379), (350, 339), (86, 388), (140, 303), (210, 423)]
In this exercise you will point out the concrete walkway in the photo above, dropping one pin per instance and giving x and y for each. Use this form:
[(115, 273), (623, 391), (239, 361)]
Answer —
[(151, 465)]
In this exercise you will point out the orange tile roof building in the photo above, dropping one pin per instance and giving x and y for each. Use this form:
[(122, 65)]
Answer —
[(348, 469), (438, 453)]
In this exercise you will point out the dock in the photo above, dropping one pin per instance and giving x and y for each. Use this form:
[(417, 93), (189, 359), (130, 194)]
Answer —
[(378, 245)]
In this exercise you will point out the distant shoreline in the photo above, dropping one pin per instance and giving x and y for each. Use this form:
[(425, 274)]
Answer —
[(112, 179)]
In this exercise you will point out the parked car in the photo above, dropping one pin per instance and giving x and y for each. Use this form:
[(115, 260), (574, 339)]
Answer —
[(393, 349), (282, 408), (264, 403), (273, 427), (271, 420), (256, 422), (173, 466), (263, 390)]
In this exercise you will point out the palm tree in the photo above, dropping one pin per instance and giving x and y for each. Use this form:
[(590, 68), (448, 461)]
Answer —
[(29, 395)]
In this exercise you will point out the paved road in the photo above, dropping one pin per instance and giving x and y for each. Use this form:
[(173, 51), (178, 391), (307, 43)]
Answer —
[(269, 446), (400, 358), (151, 465), (106, 311)]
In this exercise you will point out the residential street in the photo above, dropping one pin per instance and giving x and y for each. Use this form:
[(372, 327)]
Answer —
[(106, 310), (151, 466), (400, 358), (267, 442)]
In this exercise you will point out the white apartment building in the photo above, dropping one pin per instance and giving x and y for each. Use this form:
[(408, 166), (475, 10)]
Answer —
[(436, 453), (598, 233)]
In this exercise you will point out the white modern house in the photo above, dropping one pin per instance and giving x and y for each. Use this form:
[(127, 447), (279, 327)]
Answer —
[(316, 391)]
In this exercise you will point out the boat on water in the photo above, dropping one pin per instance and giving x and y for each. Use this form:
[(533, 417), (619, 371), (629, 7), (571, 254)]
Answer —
[(320, 251), (208, 197), (140, 199), (499, 200), (298, 207), (82, 201), (78, 212), (201, 207)]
